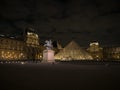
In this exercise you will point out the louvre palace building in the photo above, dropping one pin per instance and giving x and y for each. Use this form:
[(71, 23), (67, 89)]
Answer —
[(12, 48), (29, 48)]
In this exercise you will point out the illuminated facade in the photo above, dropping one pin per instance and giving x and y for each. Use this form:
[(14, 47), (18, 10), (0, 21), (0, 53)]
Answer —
[(96, 51), (15, 49), (11, 49), (32, 39), (34, 49), (111, 53)]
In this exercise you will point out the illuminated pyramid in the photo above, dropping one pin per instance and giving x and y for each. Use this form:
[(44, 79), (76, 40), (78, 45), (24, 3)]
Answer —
[(73, 52)]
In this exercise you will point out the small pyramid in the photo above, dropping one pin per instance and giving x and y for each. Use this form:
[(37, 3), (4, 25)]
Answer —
[(73, 52)]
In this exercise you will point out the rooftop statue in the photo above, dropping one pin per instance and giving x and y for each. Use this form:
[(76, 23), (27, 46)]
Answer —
[(48, 44)]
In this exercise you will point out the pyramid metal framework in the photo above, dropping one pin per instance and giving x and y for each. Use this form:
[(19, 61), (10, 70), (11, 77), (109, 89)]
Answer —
[(73, 52)]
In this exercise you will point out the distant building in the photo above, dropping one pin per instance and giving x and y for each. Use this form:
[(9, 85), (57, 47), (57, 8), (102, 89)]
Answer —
[(95, 51), (31, 38), (33, 48), (110, 53), (12, 48)]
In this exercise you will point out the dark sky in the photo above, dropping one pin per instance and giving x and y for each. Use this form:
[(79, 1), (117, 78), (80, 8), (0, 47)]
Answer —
[(64, 20)]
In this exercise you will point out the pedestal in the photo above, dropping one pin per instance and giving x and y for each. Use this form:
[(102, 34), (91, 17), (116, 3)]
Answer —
[(48, 56)]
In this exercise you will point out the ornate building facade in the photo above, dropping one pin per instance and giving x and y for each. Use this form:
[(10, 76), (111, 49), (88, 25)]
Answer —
[(12, 48), (95, 51), (111, 53), (104, 53)]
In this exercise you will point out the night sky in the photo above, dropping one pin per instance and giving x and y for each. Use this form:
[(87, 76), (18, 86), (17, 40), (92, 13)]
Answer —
[(64, 20)]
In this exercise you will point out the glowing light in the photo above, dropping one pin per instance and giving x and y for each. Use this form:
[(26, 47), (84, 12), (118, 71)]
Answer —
[(94, 43), (22, 63)]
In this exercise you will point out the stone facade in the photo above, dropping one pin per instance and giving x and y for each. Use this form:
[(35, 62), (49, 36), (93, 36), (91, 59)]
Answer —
[(15, 49)]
